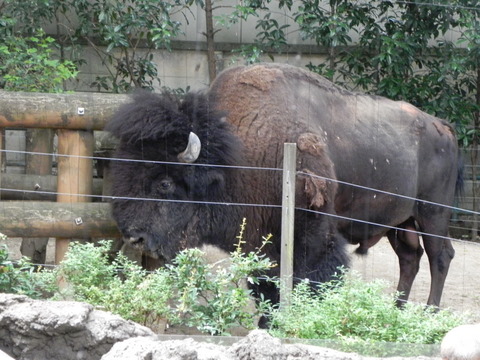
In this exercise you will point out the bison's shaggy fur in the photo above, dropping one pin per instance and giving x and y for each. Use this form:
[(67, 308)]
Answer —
[(164, 122)]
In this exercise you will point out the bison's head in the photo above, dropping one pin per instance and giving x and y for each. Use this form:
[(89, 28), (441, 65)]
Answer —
[(163, 176)]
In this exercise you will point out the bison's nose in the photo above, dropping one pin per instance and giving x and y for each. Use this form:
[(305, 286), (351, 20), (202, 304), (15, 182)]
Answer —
[(138, 240), (143, 241)]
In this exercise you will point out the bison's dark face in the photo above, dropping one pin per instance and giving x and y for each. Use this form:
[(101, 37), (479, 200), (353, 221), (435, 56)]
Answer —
[(163, 187), (158, 206)]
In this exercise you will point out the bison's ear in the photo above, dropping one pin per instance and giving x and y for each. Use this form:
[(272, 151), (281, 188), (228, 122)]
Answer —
[(315, 189)]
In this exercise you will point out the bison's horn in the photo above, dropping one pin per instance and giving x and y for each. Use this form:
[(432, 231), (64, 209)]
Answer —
[(192, 151)]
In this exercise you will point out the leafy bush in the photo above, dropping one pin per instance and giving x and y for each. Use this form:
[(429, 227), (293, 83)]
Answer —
[(27, 64), (122, 287), (189, 291), (211, 297), (20, 277), (358, 314), (214, 297)]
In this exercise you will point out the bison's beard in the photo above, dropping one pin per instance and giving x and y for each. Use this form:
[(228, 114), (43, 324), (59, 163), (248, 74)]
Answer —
[(164, 247), (152, 247)]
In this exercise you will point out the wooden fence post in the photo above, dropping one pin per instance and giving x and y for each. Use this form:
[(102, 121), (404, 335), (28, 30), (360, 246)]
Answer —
[(41, 141), (75, 173), (3, 162), (288, 217)]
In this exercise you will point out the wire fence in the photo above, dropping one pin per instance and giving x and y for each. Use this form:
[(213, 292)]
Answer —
[(456, 209)]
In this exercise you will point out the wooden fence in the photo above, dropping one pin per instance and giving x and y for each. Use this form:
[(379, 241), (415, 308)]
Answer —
[(74, 117)]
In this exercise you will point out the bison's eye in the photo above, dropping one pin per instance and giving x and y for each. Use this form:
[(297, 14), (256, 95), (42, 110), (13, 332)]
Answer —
[(166, 185)]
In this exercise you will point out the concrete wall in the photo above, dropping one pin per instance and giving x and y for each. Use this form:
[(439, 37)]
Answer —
[(183, 68)]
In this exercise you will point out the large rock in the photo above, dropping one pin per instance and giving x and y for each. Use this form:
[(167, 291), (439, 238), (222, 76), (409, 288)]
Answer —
[(258, 345), (153, 348), (462, 342), (63, 330)]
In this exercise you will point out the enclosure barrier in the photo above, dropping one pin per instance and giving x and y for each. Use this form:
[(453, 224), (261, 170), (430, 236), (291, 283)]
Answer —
[(73, 111), (74, 116), (38, 187), (56, 219), (288, 219)]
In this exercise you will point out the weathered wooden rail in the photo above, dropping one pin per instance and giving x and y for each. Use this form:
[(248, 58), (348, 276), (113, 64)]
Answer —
[(38, 187), (73, 111), (74, 116), (55, 219)]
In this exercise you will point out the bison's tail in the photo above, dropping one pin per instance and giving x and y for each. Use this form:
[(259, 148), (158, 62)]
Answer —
[(460, 184), (459, 187)]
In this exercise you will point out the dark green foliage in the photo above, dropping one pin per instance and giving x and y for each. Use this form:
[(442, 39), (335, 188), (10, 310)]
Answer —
[(189, 292), (423, 53), (20, 277), (121, 33)]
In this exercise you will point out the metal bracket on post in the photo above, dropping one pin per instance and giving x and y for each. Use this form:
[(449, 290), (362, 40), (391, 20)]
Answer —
[(288, 218)]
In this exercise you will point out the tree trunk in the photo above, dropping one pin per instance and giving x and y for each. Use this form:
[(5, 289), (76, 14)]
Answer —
[(3, 162), (474, 158), (210, 34), (332, 51)]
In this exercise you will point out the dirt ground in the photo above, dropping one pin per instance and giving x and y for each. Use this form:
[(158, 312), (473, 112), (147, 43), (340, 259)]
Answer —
[(462, 288)]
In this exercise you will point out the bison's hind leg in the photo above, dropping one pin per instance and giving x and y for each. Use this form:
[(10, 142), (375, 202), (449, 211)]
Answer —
[(406, 245), (438, 247)]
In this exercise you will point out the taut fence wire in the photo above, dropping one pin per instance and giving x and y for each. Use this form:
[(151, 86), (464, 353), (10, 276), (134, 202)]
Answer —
[(266, 169)]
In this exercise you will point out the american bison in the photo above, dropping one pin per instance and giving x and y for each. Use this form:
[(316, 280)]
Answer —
[(193, 173)]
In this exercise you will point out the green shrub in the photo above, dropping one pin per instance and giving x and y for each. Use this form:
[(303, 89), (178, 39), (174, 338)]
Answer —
[(210, 297), (122, 287), (189, 291), (358, 314), (20, 277)]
